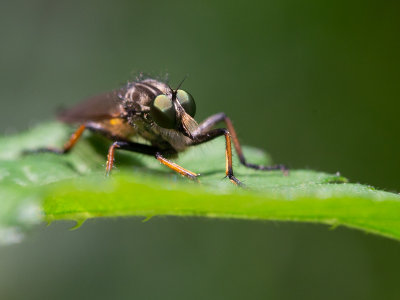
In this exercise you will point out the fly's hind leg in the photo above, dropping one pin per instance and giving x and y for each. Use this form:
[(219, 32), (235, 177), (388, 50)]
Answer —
[(145, 149), (95, 127), (67, 146), (210, 122)]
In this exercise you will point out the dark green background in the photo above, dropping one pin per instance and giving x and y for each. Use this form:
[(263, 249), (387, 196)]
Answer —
[(315, 83)]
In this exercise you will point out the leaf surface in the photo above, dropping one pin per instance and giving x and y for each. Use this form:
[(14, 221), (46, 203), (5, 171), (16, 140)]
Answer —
[(48, 187)]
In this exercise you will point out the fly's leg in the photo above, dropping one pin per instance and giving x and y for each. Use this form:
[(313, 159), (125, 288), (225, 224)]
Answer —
[(145, 149), (67, 146), (210, 135), (92, 126), (122, 145), (128, 146), (175, 167), (210, 122)]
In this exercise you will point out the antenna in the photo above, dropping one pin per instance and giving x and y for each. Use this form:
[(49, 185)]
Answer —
[(170, 88), (179, 85)]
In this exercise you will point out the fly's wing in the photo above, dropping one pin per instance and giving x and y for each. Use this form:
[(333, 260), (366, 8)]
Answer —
[(97, 108)]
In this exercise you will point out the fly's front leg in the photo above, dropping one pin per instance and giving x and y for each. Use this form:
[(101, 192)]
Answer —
[(212, 134), (210, 122)]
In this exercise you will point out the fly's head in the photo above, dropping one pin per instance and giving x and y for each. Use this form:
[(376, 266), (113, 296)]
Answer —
[(175, 110)]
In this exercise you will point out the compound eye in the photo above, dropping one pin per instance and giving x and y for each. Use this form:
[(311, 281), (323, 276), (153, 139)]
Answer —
[(187, 102), (163, 112)]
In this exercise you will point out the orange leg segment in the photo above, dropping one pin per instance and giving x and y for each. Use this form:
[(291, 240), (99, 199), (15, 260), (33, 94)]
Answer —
[(212, 134), (110, 158), (175, 167), (210, 122), (67, 146), (74, 138)]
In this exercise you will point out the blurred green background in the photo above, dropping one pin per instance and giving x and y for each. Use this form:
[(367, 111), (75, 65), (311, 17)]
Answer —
[(315, 83)]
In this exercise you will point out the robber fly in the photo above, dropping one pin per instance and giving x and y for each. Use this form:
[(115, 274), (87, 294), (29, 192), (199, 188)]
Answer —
[(161, 115)]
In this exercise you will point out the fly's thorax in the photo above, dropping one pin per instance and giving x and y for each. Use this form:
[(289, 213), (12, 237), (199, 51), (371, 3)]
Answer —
[(158, 136), (140, 95)]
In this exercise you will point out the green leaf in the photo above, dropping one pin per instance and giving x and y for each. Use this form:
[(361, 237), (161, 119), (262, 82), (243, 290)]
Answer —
[(49, 187)]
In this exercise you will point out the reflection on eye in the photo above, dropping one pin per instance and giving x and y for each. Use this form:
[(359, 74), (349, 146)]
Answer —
[(163, 112), (187, 102)]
